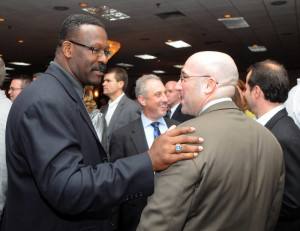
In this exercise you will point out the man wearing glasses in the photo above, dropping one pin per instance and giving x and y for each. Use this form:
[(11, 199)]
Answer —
[(18, 83), (237, 181), (58, 175)]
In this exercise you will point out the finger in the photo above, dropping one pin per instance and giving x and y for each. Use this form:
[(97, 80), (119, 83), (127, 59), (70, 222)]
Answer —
[(186, 148), (182, 156), (172, 127), (187, 140), (180, 131)]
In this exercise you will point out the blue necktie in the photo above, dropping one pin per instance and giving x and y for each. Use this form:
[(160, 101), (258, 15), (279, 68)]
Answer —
[(156, 131)]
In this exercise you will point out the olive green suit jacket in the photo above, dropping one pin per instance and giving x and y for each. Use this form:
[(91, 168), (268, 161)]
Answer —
[(236, 183)]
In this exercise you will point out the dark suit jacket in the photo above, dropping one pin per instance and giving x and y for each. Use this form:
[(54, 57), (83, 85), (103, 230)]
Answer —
[(179, 116), (127, 141), (126, 111), (288, 134), (234, 184), (57, 178)]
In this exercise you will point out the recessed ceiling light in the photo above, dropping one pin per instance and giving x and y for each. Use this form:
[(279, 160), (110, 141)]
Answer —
[(20, 41), (2, 19), (60, 8), (158, 71), (178, 44), (257, 48), (145, 56), (278, 3), (124, 65), (20, 63), (9, 68), (227, 16), (234, 22), (106, 12), (179, 66)]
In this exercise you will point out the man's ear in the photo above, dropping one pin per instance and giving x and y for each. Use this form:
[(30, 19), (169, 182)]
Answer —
[(209, 86), (67, 49), (141, 99), (258, 92)]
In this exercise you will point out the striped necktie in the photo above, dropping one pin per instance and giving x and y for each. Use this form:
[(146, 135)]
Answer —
[(156, 131)]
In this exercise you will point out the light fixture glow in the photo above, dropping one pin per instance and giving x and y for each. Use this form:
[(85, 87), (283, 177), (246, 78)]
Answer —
[(20, 41), (2, 19), (124, 65), (257, 48), (145, 56), (158, 71), (234, 22), (179, 66), (9, 68), (178, 44), (106, 12), (20, 63), (83, 4)]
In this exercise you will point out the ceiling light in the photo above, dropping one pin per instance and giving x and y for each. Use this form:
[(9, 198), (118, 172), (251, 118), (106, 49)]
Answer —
[(227, 16), (20, 63), (83, 4), (158, 71), (145, 56), (234, 23), (124, 65), (9, 68), (179, 66), (2, 19), (257, 48), (20, 41), (106, 12), (178, 44)]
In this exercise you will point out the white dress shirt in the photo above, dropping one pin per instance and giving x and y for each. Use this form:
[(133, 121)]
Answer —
[(292, 104), (5, 105), (264, 119), (112, 105), (173, 109), (149, 130)]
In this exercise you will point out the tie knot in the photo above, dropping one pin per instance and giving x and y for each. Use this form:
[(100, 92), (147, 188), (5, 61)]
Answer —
[(155, 124), (156, 131)]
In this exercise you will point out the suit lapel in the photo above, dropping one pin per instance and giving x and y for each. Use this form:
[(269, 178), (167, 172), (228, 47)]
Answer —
[(63, 80), (271, 123), (116, 114), (138, 137)]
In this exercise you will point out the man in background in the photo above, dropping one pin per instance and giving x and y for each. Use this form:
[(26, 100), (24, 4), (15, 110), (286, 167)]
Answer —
[(237, 181), (18, 83), (174, 111), (5, 105), (120, 110), (267, 87), (138, 136)]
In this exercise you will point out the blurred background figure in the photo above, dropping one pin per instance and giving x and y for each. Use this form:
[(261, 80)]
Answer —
[(18, 83), (5, 105), (174, 110), (292, 104), (240, 100), (36, 75)]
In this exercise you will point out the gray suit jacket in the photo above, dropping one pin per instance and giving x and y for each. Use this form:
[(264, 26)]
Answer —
[(126, 111), (236, 183)]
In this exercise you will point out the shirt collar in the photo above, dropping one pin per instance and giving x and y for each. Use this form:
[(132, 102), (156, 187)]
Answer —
[(117, 100), (263, 120), (213, 102), (75, 83), (147, 122)]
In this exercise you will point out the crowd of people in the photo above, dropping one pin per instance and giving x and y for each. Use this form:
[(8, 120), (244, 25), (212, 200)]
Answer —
[(205, 151)]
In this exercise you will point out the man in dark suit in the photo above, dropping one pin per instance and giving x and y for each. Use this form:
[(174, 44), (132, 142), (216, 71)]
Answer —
[(120, 110), (236, 184), (138, 136), (58, 178), (173, 96), (267, 87)]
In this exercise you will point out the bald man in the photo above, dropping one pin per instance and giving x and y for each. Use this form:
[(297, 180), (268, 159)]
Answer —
[(174, 105), (237, 181)]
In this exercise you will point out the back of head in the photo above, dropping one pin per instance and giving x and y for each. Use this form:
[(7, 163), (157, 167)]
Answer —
[(272, 78), (72, 23), (219, 66), (25, 79), (2, 71), (120, 75)]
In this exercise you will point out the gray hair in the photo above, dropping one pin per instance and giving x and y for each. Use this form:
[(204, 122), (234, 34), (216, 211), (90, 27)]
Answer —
[(140, 85), (2, 71)]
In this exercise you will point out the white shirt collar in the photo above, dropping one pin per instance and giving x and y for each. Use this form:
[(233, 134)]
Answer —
[(173, 109), (117, 100), (263, 120)]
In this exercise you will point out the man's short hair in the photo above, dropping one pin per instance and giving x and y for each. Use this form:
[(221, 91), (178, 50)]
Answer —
[(26, 79), (2, 71), (140, 85), (72, 23), (272, 78), (120, 75)]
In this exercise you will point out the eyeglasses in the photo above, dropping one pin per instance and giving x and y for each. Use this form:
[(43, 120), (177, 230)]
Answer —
[(97, 51), (184, 77), (15, 88)]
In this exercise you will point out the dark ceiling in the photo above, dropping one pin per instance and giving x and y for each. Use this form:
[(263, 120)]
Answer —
[(273, 24)]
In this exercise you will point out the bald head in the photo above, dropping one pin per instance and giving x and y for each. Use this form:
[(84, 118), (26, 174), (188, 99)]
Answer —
[(206, 76), (172, 93)]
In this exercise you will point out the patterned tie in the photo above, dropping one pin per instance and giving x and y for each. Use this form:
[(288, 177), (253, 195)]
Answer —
[(156, 131)]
